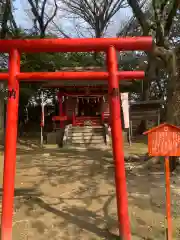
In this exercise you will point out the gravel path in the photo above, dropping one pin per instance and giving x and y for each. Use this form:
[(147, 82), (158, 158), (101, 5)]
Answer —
[(69, 194)]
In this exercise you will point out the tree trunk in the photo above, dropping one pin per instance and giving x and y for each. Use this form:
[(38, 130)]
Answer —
[(173, 99), (173, 117), (150, 72)]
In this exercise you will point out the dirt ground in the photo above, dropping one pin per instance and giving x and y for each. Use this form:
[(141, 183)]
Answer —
[(69, 194)]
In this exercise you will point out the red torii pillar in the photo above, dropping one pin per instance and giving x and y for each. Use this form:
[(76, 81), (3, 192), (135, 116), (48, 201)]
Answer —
[(10, 146), (117, 141)]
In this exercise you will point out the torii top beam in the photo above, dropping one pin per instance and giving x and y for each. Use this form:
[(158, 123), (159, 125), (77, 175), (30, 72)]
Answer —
[(77, 45)]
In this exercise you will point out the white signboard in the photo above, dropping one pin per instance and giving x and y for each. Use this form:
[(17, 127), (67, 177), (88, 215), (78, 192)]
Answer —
[(125, 108)]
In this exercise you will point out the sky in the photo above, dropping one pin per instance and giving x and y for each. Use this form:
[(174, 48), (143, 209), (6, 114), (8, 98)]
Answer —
[(21, 14)]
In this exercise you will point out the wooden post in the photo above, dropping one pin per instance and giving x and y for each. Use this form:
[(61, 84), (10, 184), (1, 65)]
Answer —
[(60, 109), (168, 200), (42, 118)]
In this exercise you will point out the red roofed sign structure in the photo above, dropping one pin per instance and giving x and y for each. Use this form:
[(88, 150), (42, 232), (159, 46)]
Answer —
[(164, 140)]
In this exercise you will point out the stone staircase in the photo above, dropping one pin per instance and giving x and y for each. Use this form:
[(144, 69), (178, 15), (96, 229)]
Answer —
[(85, 136)]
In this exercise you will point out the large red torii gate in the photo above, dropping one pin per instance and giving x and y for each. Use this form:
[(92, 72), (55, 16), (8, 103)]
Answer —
[(107, 45)]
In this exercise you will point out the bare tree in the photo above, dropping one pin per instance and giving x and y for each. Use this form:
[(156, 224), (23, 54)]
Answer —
[(97, 14), (5, 16), (7, 20), (41, 19)]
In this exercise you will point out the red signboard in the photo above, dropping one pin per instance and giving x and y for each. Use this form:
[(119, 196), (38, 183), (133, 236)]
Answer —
[(164, 140), (59, 118)]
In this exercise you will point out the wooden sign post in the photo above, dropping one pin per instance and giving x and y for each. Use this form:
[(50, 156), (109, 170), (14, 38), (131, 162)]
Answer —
[(164, 140), (42, 118)]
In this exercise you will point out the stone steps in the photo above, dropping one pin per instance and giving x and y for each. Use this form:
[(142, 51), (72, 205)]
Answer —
[(86, 135)]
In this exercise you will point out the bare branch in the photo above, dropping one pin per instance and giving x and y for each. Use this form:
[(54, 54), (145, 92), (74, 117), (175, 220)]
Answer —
[(39, 14), (172, 14), (43, 8), (117, 5), (53, 15), (97, 14), (59, 29), (141, 17)]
